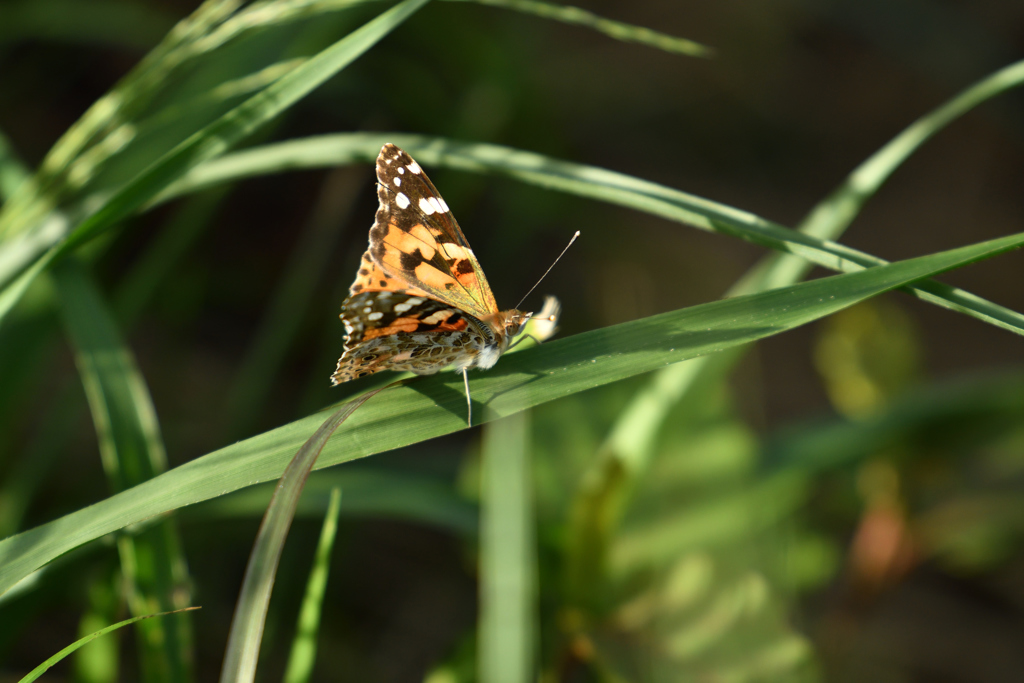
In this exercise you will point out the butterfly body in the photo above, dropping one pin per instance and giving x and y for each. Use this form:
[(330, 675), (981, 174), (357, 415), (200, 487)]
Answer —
[(420, 301)]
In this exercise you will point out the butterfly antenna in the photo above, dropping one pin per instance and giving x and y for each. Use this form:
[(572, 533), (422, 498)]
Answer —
[(549, 269)]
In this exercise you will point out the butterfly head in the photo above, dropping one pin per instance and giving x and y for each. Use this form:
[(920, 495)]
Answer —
[(513, 322)]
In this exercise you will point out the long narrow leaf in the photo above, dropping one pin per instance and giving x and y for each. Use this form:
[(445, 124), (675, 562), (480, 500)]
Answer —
[(431, 406), (507, 596), (132, 452), (585, 181), (303, 653), (251, 611)]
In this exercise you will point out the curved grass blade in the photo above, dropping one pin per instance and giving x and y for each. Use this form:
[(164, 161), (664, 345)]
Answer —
[(507, 563), (132, 452), (251, 611), (35, 673), (613, 29), (584, 181), (204, 145), (426, 407), (303, 655)]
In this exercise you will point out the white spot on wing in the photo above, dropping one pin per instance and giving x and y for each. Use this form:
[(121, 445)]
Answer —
[(375, 316), (367, 309), (416, 300), (402, 308), (402, 200), (436, 204), (400, 169), (414, 167), (425, 206), (398, 181), (443, 205)]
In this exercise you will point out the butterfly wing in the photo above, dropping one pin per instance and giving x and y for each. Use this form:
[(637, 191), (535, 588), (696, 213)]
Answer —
[(415, 238), (397, 331)]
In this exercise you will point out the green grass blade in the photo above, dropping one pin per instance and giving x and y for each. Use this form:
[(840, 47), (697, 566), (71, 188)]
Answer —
[(303, 654), (204, 145), (507, 561), (251, 611), (613, 29), (35, 673), (132, 452), (584, 181), (431, 406)]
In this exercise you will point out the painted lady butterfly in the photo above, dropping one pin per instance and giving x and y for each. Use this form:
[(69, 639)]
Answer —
[(420, 301)]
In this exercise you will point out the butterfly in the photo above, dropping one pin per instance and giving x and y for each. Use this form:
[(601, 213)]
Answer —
[(420, 301)]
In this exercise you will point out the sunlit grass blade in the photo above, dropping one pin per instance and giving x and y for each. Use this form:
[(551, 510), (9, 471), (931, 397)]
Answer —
[(303, 654), (132, 451), (426, 407), (204, 145), (508, 609), (613, 29), (42, 668), (243, 646), (585, 181)]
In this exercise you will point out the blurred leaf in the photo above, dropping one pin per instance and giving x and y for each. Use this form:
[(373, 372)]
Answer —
[(132, 452), (246, 634), (507, 565), (865, 355), (98, 661), (584, 181), (958, 413), (303, 653), (430, 406)]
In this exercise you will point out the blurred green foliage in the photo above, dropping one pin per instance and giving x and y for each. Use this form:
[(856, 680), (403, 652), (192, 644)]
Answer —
[(840, 505)]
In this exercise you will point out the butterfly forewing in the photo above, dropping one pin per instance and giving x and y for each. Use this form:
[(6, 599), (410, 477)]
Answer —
[(415, 237)]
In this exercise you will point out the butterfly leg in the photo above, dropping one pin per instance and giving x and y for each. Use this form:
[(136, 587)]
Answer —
[(469, 401)]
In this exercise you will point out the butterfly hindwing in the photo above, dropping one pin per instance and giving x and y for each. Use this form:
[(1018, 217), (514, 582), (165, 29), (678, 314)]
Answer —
[(415, 238), (397, 331)]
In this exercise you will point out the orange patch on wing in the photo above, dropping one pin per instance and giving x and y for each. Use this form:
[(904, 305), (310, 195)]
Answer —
[(408, 242), (399, 325), (375, 275)]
